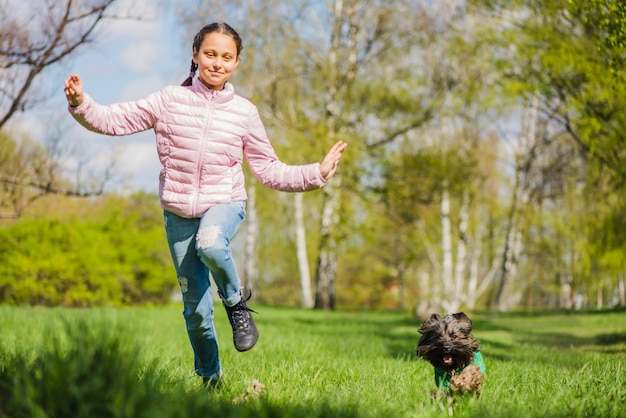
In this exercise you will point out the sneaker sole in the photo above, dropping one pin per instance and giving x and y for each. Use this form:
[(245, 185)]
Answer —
[(242, 349)]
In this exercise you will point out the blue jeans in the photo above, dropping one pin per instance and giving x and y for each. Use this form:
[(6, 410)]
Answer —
[(199, 247)]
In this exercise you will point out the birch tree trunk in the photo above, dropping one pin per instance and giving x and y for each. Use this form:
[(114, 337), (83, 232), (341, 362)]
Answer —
[(460, 267), (521, 196), (326, 264), (430, 284), (306, 299), (327, 261), (453, 271), (475, 288), (446, 249)]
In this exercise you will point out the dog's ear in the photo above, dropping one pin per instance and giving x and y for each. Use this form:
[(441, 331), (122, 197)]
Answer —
[(464, 322), (434, 318)]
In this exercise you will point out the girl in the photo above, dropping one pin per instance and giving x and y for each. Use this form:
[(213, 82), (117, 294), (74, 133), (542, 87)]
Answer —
[(203, 132)]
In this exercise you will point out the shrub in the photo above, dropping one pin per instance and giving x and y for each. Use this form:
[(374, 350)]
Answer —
[(116, 256)]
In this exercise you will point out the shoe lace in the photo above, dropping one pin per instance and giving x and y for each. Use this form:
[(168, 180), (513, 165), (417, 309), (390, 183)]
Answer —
[(239, 313)]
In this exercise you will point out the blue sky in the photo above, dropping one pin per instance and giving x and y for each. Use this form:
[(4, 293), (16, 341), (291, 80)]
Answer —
[(128, 60)]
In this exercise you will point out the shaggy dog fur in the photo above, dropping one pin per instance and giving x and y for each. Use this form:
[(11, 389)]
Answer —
[(448, 344)]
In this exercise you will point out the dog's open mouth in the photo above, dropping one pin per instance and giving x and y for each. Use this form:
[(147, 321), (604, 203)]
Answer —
[(447, 359)]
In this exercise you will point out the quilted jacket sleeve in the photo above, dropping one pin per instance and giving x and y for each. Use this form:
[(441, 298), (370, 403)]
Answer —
[(119, 118), (269, 170)]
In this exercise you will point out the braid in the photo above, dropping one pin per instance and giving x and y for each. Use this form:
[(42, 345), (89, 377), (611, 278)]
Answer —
[(192, 72)]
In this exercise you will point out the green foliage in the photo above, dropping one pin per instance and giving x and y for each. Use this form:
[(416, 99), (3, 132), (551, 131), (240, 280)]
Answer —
[(608, 19), (571, 53), (607, 235), (114, 257), (137, 362)]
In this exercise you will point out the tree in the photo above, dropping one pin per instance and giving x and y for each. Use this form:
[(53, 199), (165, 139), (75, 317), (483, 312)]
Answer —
[(567, 55), (30, 170), (54, 32), (461, 82), (525, 158), (570, 54), (34, 38), (359, 33)]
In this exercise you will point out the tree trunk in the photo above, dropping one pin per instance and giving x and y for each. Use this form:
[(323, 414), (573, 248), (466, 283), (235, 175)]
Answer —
[(327, 261), (460, 280), (524, 160), (306, 299), (401, 285), (446, 249), (326, 265), (508, 260)]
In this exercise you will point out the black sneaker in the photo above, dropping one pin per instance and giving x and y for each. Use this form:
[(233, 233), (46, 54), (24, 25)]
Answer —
[(245, 334)]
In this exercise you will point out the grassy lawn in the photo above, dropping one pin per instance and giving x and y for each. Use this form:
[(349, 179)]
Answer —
[(137, 362)]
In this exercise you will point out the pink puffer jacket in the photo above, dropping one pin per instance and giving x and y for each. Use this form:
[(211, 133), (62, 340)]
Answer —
[(202, 136)]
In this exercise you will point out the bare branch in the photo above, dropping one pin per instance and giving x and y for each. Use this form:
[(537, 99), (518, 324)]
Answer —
[(67, 26)]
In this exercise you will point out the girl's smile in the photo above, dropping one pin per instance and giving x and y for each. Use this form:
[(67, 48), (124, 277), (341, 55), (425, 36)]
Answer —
[(216, 59)]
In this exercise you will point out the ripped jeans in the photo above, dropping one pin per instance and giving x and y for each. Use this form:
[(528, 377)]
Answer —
[(199, 247)]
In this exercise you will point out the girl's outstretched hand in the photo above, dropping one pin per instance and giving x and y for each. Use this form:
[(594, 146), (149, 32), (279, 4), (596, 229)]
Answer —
[(329, 164), (74, 90)]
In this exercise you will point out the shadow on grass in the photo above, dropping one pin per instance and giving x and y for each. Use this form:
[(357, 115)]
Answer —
[(565, 340)]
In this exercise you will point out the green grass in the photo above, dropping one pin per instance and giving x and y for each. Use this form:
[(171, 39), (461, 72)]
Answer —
[(137, 362)]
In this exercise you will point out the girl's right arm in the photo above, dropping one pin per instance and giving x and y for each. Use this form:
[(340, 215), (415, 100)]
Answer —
[(116, 119)]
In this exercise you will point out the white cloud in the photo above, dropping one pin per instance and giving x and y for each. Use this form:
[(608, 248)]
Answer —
[(141, 56), (145, 19), (141, 87)]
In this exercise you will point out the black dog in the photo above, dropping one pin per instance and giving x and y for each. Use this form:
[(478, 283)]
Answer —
[(448, 344)]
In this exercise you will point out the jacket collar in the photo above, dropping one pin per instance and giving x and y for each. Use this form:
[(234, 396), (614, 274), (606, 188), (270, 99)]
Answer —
[(221, 96)]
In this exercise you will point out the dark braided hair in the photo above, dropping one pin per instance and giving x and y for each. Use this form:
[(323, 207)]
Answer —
[(218, 27)]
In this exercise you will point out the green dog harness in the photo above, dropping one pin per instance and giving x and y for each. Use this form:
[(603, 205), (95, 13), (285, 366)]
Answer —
[(442, 377)]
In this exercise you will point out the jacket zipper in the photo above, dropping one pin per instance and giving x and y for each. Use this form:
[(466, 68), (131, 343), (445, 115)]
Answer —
[(201, 157)]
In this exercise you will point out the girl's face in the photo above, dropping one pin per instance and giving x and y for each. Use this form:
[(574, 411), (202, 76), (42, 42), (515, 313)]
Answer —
[(216, 59)]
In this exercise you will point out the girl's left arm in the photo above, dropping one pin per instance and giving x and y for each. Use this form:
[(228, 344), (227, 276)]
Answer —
[(267, 167)]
